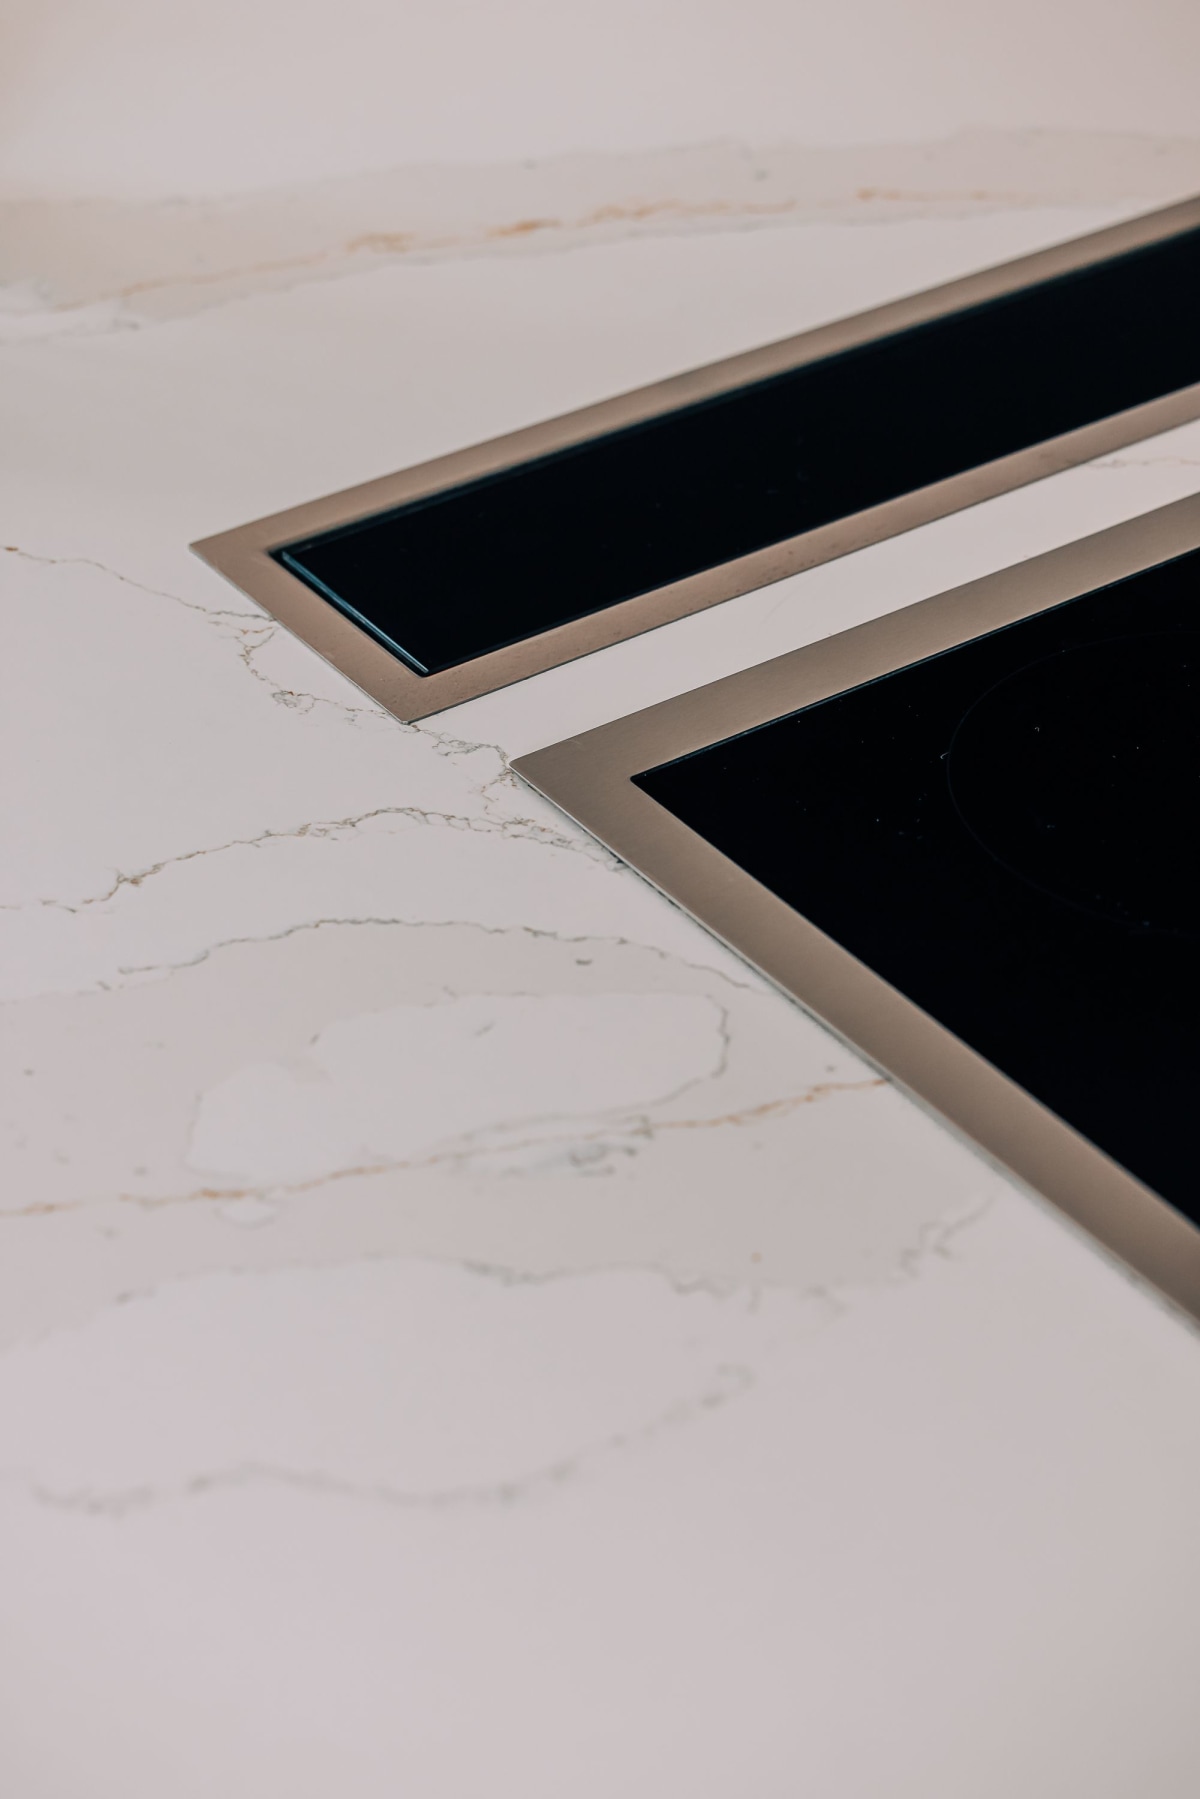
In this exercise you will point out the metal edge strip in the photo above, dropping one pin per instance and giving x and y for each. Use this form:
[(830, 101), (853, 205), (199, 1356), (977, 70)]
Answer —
[(244, 555), (589, 778)]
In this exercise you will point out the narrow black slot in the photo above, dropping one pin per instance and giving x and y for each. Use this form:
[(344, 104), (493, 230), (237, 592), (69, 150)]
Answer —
[(1006, 834), (490, 563)]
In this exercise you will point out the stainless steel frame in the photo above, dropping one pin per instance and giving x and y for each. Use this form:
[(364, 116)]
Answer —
[(244, 555), (589, 778)]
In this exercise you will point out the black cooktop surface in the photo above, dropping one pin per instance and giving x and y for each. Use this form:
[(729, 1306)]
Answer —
[(1006, 833), (471, 568)]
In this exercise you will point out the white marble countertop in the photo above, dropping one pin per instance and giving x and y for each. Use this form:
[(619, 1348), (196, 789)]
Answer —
[(461, 1333)]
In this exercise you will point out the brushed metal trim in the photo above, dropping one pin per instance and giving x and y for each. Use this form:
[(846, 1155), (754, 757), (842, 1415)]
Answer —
[(589, 777), (243, 555)]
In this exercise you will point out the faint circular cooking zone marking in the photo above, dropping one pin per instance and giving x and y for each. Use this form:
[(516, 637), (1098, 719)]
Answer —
[(1080, 773)]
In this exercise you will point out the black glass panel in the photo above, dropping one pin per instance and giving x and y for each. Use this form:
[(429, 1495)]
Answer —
[(479, 566), (1007, 833)]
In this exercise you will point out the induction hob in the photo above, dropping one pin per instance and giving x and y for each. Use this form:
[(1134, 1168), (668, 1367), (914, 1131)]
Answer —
[(966, 836)]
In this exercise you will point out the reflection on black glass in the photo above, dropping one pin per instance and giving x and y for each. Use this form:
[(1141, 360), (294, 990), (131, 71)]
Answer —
[(1006, 833), (1081, 774)]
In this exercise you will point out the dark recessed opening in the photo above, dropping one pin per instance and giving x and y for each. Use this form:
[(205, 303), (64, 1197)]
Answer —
[(1006, 834), (479, 566)]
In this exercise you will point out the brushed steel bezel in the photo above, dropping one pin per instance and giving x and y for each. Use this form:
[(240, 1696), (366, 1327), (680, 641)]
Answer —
[(589, 777), (244, 555)]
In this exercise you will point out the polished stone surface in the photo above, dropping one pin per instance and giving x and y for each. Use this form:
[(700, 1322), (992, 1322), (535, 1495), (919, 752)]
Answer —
[(462, 1332)]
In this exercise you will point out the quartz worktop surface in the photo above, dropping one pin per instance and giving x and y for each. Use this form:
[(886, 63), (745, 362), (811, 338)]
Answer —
[(461, 1331)]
